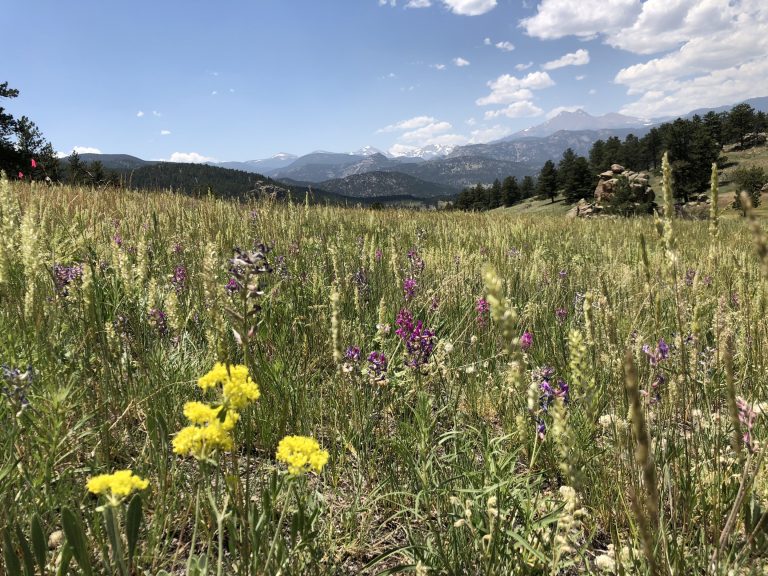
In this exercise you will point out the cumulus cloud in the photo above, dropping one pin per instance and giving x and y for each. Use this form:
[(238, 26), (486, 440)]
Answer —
[(419, 4), (560, 18), (164, 132), (80, 150), (189, 158), (426, 133), (460, 62), (410, 124), (702, 53), (482, 135), (521, 67), (505, 46), (578, 58), (487, 42), (139, 114), (156, 114), (437, 66), (522, 109), (470, 7), (508, 89)]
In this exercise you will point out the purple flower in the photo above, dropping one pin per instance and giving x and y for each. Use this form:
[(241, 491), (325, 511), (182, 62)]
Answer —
[(377, 365), (232, 286), (63, 276), (434, 304), (561, 314), (118, 240), (482, 306), (419, 340), (353, 353), (690, 274), (746, 419), (416, 262), (409, 288), (563, 274), (179, 278), (159, 320), (378, 255), (526, 341), (661, 352)]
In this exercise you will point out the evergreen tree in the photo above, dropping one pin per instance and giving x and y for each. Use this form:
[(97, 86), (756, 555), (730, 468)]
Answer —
[(749, 180), (741, 121), (77, 169), (527, 188), (547, 182), (714, 123), (652, 145), (9, 157), (581, 183), (495, 197), (510, 191), (597, 161)]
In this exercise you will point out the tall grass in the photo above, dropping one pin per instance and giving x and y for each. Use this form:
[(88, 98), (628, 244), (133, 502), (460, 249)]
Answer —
[(626, 438)]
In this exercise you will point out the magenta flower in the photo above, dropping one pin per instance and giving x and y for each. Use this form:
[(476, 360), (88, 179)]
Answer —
[(409, 288), (34, 164), (21, 175), (526, 341)]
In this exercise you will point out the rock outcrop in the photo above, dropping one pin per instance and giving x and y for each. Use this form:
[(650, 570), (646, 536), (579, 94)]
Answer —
[(610, 180)]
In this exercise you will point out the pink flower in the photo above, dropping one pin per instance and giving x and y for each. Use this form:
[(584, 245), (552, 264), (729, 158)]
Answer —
[(526, 341), (34, 164), (21, 175)]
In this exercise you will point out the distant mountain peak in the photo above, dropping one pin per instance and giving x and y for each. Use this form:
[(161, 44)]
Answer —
[(368, 151), (429, 152), (579, 119)]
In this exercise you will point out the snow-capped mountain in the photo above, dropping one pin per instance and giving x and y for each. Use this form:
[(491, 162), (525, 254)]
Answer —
[(429, 152), (263, 166), (579, 120), (368, 151)]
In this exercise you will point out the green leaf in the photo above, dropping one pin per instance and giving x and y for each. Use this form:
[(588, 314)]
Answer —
[(26, 553), (73, 530), (64, 559), (39, 543), (132, 525), (12, 566)]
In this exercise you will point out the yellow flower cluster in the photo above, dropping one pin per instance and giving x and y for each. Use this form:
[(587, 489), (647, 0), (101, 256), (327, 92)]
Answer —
[(211, 426), (117, 485), (301, 454), (238, 388)]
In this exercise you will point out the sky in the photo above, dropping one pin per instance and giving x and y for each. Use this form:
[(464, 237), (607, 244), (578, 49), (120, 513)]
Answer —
[(236, 80)]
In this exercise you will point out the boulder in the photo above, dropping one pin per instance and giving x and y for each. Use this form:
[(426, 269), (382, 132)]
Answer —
[(764, 188), (617, 168)]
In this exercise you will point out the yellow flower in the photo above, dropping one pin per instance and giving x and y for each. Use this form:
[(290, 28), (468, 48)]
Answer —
[(116, 486), (202, 441), (199, 413), (301, 454), (238, 388)]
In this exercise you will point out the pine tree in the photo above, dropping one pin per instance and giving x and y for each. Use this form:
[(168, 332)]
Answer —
[(510, 191), (547, 183)]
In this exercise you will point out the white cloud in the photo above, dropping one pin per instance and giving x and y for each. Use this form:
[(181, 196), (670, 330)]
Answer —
[(139, 114), (559, 18), (580, 77), (79, 150), (401, 149), (521, 67), (410, 124), (521, 109), (156, 114), (427, 132), (470, 7), (214, 93), (419, 4), (555, 111), (578, 58), (385, 2), (460, 62), (470, 122), (231, 90), (487, 41), (164, 132), (508, 89), (189, 158), (505, 46), (488, 134), (437, 66), (592, 91)]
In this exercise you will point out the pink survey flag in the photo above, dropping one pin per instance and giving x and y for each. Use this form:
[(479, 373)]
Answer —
[(34, 164), (21, 175)]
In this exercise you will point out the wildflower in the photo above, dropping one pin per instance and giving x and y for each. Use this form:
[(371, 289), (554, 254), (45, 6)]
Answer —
[(301, 454), (377, 365), (159, 320), (63, 276), (409, 288), (237, 387), (690, 274), (563, 274), (526, 341), (21, 175), (419, 340), (561, 314), (179, 279), (200, 413), (232, 286), (117, 486), (353, 353), (415, 261), (378, 255), (15, 385), (746, 419), (34, 164), (202, 441), (660, 353), (482, 308), (434, 304)]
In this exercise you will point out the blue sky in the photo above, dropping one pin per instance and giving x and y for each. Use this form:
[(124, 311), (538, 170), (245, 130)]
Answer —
[(237, 80)]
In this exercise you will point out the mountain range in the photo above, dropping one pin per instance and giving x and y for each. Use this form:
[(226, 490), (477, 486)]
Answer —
[(432, 171)]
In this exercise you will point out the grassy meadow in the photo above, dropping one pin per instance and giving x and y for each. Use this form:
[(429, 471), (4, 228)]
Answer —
[(497, 393)]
